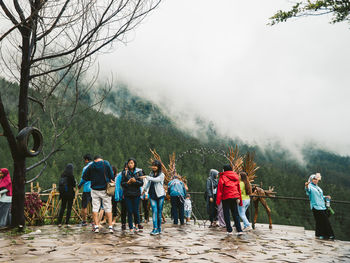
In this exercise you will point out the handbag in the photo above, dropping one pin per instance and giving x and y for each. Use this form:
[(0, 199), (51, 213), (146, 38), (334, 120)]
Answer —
[(110, 188)]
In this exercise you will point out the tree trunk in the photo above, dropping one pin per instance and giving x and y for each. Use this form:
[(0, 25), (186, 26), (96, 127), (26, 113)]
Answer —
[(19, 175), (18, 185)]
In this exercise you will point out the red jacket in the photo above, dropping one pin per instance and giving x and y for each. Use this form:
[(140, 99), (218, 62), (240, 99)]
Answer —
[(228, 187)]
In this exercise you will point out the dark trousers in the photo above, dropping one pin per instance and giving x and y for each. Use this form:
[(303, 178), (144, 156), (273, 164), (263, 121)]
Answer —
[(114, 207), (123, 211), (145, 208), (132, 206), (323, 227), (231, 205), (177, 209), (67, 201), (213, 210)]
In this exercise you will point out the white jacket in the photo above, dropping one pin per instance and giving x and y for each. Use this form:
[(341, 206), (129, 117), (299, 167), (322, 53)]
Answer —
[(158, 184)]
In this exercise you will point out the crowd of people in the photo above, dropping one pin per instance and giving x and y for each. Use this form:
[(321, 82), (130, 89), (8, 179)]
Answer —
[(227, 193), (132, 186)]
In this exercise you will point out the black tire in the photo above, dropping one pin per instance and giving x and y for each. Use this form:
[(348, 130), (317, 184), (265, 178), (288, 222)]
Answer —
[(23, 138)]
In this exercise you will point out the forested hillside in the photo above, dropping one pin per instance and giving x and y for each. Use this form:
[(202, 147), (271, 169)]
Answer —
[(137, 125)]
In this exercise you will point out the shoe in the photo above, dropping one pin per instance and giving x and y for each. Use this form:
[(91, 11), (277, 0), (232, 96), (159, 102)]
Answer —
[(136, 230), (159, 231), (110, 229), (123, 227), (240, 234), (229, 233), (59, 225), (247, 228), (321, 237), (84, 223), (96, 229), (154, 232), (140, 226), (332, 237), (131, 231)]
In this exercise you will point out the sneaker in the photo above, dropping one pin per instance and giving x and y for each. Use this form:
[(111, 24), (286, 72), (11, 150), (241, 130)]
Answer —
[(229, 233), (331, 237), (131, 231), (123, 227), (154, 232), (84, 223), (110, 229), (159, 231), (240, 234), (96, 229), (136, 230), (59, 225), (321, 237), (140, 226), (247, 228)]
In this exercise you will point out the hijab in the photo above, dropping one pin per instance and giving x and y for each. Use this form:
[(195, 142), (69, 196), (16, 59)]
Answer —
[(5, 182)]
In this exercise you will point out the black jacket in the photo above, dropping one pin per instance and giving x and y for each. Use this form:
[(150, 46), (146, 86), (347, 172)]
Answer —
[(133, 189)]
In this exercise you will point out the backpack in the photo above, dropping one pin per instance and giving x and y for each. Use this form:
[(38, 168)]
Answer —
[(63, 185)]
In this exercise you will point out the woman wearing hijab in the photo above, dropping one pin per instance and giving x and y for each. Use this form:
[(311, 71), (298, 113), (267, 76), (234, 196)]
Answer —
[(67, 193), (5, 197), (211, 189), (156, 194), (317, 204)]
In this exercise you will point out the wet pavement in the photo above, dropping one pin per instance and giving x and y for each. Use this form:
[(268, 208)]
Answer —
[(189, 243)]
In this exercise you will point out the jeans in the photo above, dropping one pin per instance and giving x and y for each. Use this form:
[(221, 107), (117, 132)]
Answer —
[(132, 205), (242, 212), (157, 208), (231, 204), (177, 209)]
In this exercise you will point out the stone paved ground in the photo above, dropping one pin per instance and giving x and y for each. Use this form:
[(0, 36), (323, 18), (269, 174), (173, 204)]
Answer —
[(191, 243)]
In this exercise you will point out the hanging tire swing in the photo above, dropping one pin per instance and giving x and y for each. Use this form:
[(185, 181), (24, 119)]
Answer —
[(23, 138)]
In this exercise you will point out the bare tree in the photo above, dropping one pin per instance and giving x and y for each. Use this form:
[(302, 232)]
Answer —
[(47, 46)]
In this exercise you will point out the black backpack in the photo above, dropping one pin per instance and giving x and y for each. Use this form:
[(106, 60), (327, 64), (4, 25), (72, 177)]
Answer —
[(63, 185)]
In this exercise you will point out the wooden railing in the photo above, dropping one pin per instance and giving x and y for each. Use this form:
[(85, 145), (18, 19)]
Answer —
[(51, 207)]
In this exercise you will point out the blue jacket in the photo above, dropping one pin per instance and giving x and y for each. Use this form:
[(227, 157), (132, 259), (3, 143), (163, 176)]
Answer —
[(316, 197), (118, 196), (176, 188), (96, 173), (87, 184)]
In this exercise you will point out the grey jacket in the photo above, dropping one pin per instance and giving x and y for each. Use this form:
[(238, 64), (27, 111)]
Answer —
[(158, 183), (212, 183)]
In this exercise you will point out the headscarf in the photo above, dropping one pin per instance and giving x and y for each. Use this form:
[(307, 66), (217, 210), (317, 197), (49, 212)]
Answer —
[(213, 174), (5, 182), (311, 177)]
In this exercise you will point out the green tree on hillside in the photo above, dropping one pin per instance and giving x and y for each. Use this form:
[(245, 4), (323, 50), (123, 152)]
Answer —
[(47, 46)]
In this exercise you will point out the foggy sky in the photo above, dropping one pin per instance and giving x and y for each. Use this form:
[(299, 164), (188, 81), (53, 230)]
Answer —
[(220, 60)]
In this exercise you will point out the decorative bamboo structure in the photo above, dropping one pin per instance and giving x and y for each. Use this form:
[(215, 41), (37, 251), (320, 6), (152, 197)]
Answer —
[(50, 208)]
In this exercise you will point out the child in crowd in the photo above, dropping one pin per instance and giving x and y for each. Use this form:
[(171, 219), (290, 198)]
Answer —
[(188, 208)]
